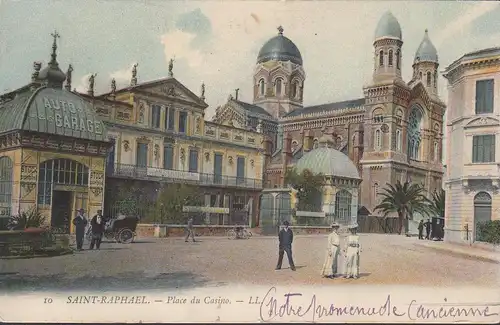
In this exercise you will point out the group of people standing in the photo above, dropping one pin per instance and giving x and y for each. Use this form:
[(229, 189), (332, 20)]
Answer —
[(97, 223), (330, 268)]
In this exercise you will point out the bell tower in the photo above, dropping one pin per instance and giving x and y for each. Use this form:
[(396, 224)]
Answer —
[(425, 66), (279, 76)]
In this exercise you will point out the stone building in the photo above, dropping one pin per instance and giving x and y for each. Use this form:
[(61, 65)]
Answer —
[(473, 167), (394, 132), (53, 149), (159, 136)]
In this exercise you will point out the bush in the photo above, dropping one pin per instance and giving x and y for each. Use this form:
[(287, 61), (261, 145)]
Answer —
[(27, 219), (489, 232)]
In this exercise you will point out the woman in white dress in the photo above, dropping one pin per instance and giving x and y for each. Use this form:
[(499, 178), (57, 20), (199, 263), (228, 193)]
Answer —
[(332, 253), (352, 254)]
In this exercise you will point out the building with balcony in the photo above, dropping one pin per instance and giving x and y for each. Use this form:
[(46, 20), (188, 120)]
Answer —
[(159, 136), (473, 143)]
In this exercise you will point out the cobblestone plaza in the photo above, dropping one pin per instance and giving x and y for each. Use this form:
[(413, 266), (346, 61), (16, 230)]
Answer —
[(163, 264)]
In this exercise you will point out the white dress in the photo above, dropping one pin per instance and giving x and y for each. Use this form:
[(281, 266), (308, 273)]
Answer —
[(331, 256), (352, 256)]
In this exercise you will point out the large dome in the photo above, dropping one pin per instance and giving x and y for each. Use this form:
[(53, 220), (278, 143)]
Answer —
[(426, 51), (280, 48), (327, 161), (388, 27)]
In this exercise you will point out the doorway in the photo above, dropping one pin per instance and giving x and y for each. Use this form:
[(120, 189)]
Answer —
[(61, 210)]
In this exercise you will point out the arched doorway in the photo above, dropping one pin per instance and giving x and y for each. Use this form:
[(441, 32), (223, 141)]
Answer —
[(62, 187), (414, 132), (343, 201), (5, 190), (482, 211)]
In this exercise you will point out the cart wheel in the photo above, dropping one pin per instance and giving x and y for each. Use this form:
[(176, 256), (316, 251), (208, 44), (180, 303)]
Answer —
[(231, 234), (126, 236), (110, 236)]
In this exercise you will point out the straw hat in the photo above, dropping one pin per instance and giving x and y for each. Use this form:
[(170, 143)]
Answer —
[(335, 225)]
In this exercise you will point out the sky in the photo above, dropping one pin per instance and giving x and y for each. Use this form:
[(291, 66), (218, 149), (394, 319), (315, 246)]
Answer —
[(217, 42)]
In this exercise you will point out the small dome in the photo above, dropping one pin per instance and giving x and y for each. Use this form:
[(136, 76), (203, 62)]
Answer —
[(53, 74), (388, 27), (327, 161), (426, 51), (279, 48)]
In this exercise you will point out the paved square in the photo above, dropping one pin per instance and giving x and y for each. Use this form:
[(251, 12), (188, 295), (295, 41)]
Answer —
[(171, 263)]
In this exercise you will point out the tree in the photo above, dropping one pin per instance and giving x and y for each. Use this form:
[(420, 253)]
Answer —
[(437, 202), (404, 199), (171, 199), (308, 186)]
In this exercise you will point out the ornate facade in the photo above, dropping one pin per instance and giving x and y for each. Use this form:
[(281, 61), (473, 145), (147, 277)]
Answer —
[(394, 132), (472, 173), (53, 149), (159, 135)]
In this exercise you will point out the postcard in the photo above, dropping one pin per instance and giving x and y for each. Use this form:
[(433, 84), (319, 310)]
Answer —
[(249, 161)]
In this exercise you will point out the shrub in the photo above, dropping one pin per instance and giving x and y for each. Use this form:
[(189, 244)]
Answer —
[(489, 232), (27, 219)]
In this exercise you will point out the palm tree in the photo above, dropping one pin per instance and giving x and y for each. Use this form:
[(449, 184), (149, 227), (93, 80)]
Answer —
[(437, 202), (404, 199)]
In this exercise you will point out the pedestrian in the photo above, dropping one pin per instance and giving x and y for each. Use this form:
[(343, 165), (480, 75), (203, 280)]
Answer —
[(421, 229), (427, 225), (189, 230), (332, 253), (80, 223), (97, 222), (352, 251), (285, 238)]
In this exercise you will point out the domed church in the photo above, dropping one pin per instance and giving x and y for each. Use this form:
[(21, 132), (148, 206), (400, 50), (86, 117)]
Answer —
[(394, 132)]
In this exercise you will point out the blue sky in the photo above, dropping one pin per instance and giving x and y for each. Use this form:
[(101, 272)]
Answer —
[(217, 42)]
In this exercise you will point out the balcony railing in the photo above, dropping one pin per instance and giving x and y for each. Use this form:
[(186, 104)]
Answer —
[(180, 176)]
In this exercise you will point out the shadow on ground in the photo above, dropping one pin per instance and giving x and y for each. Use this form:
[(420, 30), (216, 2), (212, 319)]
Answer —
[(118, 282)]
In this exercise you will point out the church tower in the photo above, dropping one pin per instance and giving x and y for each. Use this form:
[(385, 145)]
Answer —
[(386, 98), (425, 66), (279, 76)]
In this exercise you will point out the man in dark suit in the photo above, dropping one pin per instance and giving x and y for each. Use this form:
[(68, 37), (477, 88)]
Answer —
[(421, 229), (427, 225), (285, 237), (97, 224), (80, 223)]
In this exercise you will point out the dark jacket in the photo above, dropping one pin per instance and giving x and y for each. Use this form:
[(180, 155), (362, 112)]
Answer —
[(285, 238), (421, 226), (97, 228), (80, 224)]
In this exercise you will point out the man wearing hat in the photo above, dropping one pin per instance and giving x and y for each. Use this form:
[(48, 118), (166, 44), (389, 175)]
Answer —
[(332, 253), (80, 223), (285, 237), (352, 253), (97, 222)]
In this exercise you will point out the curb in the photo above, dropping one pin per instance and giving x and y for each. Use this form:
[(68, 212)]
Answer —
[(462, 253)]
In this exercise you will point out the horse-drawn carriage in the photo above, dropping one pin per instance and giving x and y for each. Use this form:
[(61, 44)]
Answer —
[(121, 229)]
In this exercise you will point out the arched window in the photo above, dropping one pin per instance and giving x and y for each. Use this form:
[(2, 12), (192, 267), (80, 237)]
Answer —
[(429, 78), (420, 75), (482, 211), (398, 140), (343, 200), (390, 58), (61, 172), (262, 87), (295, 145), (293, 90), (398, 64), (279, 83), (381, 58), (435, 79), (375, 193), (414, 133), (378, 140), (6, 170), (436, 151), (315, 143), (353, 140)]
